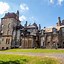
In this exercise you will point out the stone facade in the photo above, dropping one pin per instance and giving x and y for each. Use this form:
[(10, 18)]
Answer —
[(8, 22), (53, 37), (27, 42), (14, 35), (5, 42)]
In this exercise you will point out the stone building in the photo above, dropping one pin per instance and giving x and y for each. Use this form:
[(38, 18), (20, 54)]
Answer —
[(53, 37), (29, 36), (14, 35), (8, 22)]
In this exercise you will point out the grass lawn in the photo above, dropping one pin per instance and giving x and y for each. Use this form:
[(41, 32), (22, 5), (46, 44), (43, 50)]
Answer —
[(36, 50), (17, 59)]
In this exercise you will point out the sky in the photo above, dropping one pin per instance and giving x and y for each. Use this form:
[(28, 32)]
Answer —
[(44, 12)]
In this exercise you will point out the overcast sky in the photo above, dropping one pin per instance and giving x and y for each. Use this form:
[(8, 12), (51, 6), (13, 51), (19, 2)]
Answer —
[(44, 12)]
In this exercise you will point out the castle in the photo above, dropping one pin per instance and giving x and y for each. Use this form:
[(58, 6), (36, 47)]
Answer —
[(14, 35)]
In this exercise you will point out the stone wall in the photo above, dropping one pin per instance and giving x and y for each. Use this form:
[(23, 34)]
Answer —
[(26, 42), (5, 42)]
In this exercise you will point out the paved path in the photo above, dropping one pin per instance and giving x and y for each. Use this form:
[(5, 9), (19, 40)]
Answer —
[(59, 56)]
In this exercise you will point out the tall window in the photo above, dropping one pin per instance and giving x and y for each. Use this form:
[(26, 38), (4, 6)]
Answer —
[(7, 41), (2, 28), (8, 29), (2, 25), (9, 25)]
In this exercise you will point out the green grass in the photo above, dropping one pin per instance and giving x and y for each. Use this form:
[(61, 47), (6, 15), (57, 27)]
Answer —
[(17, 59), (36, 50)]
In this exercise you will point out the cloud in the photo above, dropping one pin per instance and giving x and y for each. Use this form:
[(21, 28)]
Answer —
[(51, 1), (60, 2), (33, 19), (24, 7), (22, 18), (4, 7)]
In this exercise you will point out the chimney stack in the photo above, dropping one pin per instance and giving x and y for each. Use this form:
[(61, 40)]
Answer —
[(17, 14), (59, 21)]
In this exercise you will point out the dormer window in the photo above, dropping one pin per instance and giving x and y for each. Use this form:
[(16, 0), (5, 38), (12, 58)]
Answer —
[(54, 30)]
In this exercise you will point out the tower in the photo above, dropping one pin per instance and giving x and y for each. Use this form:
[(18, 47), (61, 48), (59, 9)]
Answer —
[(9, 31)]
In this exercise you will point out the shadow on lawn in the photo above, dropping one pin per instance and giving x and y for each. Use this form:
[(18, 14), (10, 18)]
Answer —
[(14, 62), (9, 62)]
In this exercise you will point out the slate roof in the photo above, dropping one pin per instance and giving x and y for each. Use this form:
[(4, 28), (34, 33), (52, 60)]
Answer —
[(10, 15)]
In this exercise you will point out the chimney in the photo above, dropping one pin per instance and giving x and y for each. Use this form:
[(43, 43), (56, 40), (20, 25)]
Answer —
[(39, 27), (26, 24), (17, 14), (59, 21)]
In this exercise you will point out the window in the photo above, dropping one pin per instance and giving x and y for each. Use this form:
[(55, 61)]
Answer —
[(54, 30), (2, 31), (63, 42), (6, 48), (53, 42), (29, 30), (9, 25), (48, 42), (2, 39), (2, 48), (8, 32), (2, 25), (7, 41)]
